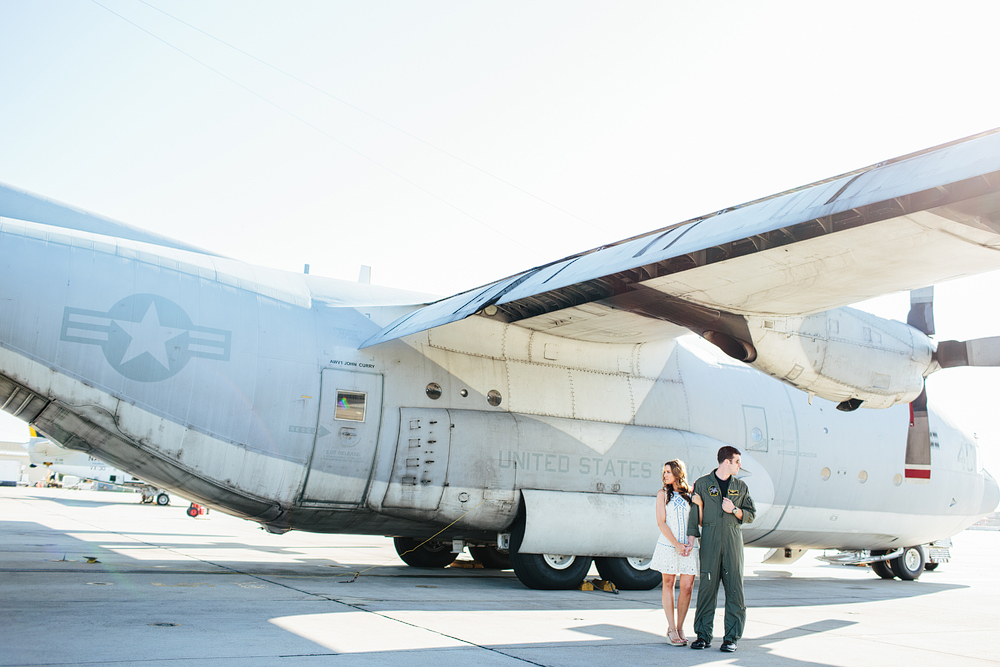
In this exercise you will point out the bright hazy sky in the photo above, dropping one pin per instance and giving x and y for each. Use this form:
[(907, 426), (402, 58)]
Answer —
[(448, 144)]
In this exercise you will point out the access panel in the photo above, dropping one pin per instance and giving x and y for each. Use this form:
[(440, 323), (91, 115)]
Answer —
[(346, 437)]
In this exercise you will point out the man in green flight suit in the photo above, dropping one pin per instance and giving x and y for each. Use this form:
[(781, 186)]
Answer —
[(725, 506)]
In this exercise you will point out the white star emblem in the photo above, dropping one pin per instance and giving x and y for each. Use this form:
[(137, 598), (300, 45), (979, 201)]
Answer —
[(149, 336)]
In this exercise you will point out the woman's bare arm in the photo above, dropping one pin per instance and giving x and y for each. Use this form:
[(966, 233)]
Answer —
[(661, 520)]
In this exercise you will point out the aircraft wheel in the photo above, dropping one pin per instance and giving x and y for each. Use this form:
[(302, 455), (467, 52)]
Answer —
[(629, 574), (491, 557), (909, 564), (192, 511), (550, 572), (162, 499), (433, 554), (547, 572), (882, 567), (930, 567)]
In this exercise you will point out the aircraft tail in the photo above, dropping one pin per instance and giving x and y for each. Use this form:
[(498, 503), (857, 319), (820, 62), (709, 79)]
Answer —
[(23, 205)]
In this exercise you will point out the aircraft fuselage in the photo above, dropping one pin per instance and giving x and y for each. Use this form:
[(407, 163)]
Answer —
[(244, 389)]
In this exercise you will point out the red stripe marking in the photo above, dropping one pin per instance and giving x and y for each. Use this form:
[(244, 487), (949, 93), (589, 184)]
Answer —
[(919, 474)]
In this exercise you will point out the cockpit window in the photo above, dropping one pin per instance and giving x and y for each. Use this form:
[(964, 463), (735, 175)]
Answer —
[(350, 405)]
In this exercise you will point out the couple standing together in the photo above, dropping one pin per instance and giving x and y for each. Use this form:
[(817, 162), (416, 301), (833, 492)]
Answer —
[(714, 509)]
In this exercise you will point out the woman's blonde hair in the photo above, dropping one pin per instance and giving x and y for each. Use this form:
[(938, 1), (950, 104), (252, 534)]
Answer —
[(679, 471)]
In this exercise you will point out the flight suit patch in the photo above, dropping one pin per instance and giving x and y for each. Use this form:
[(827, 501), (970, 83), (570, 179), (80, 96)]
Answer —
[(734, 492), (713, 490)]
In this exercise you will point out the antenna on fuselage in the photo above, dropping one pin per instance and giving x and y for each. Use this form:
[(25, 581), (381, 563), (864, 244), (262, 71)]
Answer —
[(365, 276)]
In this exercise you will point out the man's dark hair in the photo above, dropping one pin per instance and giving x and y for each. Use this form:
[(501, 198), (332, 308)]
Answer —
[(727, 452)]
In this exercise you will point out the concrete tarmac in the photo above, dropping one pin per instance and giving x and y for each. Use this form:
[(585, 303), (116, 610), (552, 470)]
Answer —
[(97, 578)]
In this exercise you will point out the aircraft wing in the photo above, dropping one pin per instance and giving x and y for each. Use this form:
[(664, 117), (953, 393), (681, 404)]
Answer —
[(902, 224)]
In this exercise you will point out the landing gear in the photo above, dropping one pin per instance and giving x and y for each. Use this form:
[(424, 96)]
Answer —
[(930, 567), (151, 494), (491, 557), (882, 567), (433, 554), (629, 574), (550, 572), (909, 564), (546, 571)]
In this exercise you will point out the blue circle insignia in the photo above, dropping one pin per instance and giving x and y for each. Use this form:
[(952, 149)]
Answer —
[(145, 337), (148, 338)]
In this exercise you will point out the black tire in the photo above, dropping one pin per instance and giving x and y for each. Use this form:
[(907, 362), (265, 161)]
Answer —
[(909, 564), (547, 572), (431, 555), (629, 574), (881, 567), (930, 567), (192, 511), (162, 499), (491, 557)]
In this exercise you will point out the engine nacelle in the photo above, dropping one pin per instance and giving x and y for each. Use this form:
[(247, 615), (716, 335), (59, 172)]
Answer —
[(844, 355)]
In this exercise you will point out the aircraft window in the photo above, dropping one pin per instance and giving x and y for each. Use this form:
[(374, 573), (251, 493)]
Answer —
[(494, 397), (863, 476), (898, 479), (350, 405), (434, 391), (463, 393), (825, 474)]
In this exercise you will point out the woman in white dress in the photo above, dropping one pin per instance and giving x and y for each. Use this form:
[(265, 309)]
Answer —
[(676, 553)]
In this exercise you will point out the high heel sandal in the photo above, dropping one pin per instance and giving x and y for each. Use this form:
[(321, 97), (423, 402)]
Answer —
[(674, 639)]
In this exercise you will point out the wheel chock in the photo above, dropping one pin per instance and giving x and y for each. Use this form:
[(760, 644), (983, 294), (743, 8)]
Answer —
[(599, 585), (467, 565)]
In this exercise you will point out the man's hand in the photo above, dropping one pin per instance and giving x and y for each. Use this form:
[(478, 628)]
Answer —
[(728, 506)]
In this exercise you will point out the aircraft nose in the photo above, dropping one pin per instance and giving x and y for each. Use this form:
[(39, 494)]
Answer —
[(991, 494)]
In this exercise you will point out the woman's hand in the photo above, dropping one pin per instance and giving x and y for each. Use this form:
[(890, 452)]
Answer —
[(689, 547), (696, 499)]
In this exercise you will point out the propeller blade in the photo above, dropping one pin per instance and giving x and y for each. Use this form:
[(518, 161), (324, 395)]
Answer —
[(917, 469), (921, 315), (975, 352)]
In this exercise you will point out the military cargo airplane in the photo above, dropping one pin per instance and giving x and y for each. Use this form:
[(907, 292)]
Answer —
[(44, 452), (529, 418)]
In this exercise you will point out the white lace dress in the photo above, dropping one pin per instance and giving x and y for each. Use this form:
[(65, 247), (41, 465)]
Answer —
[(666, 558)]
